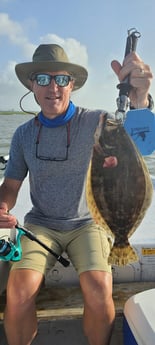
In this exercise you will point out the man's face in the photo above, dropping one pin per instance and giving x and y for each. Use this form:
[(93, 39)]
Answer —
[(53, 99)]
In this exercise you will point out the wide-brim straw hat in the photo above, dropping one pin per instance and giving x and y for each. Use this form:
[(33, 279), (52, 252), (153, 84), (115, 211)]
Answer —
[(50, 58)]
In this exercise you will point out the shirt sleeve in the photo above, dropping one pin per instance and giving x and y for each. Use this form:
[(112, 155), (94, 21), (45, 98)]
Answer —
[(16, 167)]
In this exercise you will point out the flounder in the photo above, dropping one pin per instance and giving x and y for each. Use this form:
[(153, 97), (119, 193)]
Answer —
[(118, 187)]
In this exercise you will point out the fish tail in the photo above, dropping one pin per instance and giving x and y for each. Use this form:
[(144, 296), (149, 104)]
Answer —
[(122, 256)]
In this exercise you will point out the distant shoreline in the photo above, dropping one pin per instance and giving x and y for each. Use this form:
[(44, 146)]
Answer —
[(11, 112), (14, 112)]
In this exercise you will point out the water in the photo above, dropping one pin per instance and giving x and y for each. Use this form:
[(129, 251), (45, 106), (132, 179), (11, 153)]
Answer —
[(8, 124)]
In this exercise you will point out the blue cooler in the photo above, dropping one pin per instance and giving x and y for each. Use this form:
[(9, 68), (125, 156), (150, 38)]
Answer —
[(139, 319)]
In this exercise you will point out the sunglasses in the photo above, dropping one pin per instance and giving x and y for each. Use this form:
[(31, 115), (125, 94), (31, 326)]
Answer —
[(44, 79)]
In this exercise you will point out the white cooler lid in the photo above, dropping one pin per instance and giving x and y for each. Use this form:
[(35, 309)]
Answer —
[(139, 311)]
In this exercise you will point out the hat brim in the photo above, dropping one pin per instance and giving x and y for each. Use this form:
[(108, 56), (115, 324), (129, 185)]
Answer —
[(24, 71)]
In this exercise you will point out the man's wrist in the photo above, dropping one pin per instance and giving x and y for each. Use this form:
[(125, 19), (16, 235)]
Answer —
[(150, 103)]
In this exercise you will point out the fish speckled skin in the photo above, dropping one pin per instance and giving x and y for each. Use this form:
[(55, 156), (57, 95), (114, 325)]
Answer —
[(119, 192)]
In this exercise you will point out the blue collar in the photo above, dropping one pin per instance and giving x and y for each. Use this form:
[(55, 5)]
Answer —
[(59, 120)]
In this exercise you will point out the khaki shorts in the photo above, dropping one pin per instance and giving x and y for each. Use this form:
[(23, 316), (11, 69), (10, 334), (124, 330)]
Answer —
[(87, 248)]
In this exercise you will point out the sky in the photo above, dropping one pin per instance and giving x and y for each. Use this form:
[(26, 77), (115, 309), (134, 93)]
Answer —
[(93, 33)]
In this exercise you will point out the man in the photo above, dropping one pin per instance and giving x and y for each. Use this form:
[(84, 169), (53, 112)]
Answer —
[(55, 149)]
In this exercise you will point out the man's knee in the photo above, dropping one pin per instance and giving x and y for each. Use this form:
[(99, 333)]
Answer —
[(23, 286), (97, 289)]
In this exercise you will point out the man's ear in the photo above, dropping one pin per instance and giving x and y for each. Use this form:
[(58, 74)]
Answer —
[(31, 84), (36, 99), (72, 84)]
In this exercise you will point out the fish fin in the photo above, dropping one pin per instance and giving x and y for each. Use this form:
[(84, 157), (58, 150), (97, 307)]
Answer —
[(95, 213), (122, 256)]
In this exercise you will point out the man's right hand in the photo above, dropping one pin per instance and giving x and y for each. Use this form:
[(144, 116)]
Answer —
[(6, 220)]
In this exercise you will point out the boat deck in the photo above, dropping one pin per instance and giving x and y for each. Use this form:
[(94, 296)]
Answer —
[(60, 310)]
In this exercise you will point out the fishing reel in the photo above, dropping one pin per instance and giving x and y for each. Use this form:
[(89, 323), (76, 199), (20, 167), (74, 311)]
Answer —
[(3, 162), (11, 250)]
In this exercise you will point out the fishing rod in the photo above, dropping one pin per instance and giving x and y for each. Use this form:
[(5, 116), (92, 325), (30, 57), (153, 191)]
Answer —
[(125, 87), (12, 250)]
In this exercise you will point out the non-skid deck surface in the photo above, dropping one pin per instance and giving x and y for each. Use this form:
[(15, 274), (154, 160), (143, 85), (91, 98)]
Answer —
[(65, 332)]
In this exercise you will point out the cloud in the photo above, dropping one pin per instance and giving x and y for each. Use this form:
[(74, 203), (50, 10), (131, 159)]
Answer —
[(14, 33), (7, 77), (10, 87), (9, 28)]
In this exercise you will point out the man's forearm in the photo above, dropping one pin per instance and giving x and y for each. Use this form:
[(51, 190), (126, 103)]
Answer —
[(8, 193)]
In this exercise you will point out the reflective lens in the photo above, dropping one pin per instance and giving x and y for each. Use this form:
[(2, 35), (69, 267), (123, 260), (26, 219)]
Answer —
[(45, 79)]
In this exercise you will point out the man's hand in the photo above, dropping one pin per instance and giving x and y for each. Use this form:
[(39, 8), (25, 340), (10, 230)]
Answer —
[(140, 77), (6, 220)]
